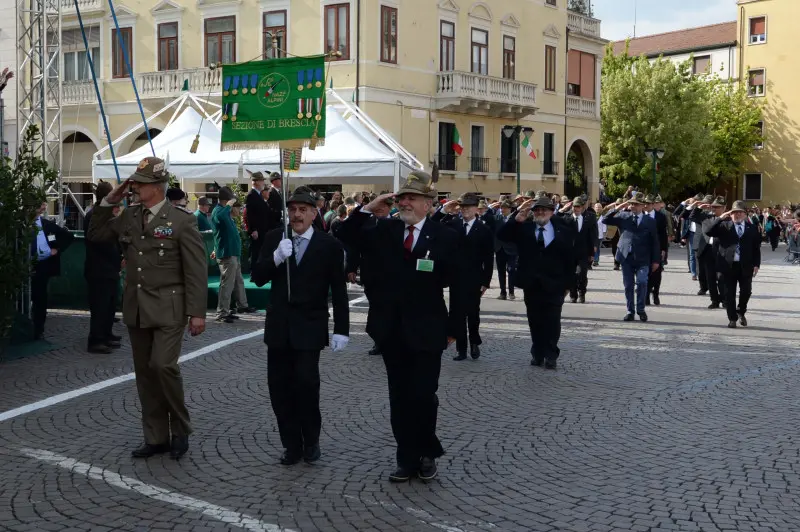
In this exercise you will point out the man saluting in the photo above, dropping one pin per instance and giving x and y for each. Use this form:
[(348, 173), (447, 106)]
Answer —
[(408, 316), (166, 285), (297, 322)]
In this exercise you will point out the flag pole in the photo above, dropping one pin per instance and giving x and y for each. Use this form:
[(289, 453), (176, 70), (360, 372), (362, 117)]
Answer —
[(287, 231)]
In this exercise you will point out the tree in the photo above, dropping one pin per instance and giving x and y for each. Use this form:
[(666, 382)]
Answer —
[(22, 189), (734, 126), (584, 7), (645, 105)]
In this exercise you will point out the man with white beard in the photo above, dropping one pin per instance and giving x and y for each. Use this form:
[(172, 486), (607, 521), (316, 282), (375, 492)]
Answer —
[(545, 272), (408, 316)]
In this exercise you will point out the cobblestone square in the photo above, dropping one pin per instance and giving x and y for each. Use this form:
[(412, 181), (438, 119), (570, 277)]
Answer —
[(675, 424)]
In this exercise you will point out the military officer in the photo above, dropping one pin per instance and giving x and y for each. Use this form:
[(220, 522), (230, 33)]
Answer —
[(166, 285)]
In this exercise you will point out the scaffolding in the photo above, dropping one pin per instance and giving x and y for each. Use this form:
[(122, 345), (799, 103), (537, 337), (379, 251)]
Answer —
[(39, 83)]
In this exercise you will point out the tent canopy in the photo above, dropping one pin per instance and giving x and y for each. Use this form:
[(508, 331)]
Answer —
[(356, 151)]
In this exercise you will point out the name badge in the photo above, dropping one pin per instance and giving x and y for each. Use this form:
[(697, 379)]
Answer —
[(424, 265), (51, 238)]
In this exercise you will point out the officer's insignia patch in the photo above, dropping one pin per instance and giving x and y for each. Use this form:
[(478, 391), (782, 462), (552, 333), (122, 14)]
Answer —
[(162, 232), (143, 164)]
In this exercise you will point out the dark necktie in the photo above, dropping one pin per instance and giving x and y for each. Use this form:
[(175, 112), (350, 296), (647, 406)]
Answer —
[(540, 237), (408, 243), (466, 228), (145, 214)]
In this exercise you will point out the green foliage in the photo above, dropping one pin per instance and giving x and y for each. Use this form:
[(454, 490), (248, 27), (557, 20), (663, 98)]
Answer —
[(22, 189), (574, 169), (706, 126), (583, 7)]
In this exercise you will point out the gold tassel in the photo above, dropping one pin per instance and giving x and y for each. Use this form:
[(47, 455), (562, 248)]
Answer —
[(195, 144), (313, 144)]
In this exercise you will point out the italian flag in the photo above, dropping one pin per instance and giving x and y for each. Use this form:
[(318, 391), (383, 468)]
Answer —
[(458, 144), (526, 143)]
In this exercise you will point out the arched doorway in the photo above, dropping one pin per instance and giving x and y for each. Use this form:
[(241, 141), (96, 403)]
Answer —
[(576, 172), (77, 150), (141, 140)]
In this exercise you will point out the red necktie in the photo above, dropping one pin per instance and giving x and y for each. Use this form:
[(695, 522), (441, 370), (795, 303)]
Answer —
[(408, 243)]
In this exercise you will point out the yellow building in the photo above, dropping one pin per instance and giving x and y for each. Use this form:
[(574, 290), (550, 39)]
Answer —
[(421, 69), (766, 35)]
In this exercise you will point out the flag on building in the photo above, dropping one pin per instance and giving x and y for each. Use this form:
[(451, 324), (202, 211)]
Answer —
[(526, 143), (458, 144)]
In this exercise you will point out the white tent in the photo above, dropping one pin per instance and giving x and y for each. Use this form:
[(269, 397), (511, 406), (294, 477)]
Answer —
[(356, 150)]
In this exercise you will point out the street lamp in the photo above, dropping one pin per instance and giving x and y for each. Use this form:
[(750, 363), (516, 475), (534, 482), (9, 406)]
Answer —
[(656, 154), (514, 131)]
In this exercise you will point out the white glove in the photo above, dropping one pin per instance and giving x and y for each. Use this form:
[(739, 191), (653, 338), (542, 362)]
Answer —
[(283, 251), (339, 342)]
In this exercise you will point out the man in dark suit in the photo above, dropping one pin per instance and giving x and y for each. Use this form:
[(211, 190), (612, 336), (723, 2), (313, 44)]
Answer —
[(408, 315), (259, 215), (361, 259), (505, 252), (546, 270), (275, 202), (638, 251), (740, 258), (475, 267), (297, 322), (585, 226), (319, 220), (101, 271), (50, 242), (654, 279), (707, 248)]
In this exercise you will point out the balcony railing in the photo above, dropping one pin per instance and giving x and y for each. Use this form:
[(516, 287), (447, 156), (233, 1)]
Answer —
[(446, 161), (171, 82), (68, 6), (550, 168), (508, 166), (77, 93), (582, 24), (479, 165), (581, 107), (457, 90)]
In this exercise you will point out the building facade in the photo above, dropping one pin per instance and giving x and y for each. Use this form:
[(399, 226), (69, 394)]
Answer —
[(427, 71)]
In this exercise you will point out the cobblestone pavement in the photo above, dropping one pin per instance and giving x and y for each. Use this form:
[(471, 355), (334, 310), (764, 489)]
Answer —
[(676, 424)]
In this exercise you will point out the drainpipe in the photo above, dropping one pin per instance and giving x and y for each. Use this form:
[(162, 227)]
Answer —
[(566, 96), (741, 79), (358, 52)]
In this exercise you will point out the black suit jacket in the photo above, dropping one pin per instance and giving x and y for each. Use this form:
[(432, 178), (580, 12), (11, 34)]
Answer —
[(275, 213), (548, 272), (586, 238), (258, 213), (475, 251), (51, 267), (406, 305), (698, 216), (724, 231), (103, 259), (302, 323), (661, 228)]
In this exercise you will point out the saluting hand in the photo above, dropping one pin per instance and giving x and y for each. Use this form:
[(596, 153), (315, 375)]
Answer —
[(375, 204), (451, 207), (725, 215), (116, 195), (524, 209)]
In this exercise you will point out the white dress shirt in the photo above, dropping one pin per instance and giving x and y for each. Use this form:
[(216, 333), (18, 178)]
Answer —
[(579, 219), (468, 225), (417, 231), (549, 233), (692, 225), (42, 245)]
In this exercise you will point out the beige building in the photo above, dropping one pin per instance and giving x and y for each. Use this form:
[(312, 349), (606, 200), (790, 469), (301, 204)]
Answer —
[(765, 32), (422, 69)]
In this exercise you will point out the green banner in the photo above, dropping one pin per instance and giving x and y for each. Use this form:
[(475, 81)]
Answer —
[(274, 102)]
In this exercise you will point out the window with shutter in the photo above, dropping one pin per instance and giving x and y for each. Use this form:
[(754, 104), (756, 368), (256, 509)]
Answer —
[(756, 85), (702, 65), (758, 30)]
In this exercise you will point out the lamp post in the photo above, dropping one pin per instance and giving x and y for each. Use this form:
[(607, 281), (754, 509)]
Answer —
[(514, 131), (656, 154)]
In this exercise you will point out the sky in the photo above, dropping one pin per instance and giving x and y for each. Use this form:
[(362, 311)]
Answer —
[(659, 16)]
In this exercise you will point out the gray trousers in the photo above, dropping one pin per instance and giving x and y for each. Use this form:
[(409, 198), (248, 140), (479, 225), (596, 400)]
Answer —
[(230, 283)]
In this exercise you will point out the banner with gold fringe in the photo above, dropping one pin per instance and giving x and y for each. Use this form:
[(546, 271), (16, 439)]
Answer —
[(272, 102)]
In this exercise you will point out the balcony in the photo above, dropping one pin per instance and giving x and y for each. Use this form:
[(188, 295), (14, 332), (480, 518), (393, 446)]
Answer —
[(549, 168), (581, 107), (86, 6), (583, 25), (77, 93), (170, 83), (446, 161), (508, 166), (479, 165), (475, 93)]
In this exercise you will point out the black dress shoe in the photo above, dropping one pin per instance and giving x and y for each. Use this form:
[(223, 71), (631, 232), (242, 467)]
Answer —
[(502, 296), (656, 300), (581, 298), (375, 351), (713, 306), (225, 319), (460, 356), (731, 325), (147, 450), (312, 454), (742, 320), (643, 316), (180, 444), (115, 338), (246, 310), (427, 469), (616, 267), (702, 292), (401, 474), (474, 352), (290, 458), (629, 317), (117, 320), (511, 295), (550, 364), (573, 300), (114, 344), (99, 349), (537, 362), (647, 302)]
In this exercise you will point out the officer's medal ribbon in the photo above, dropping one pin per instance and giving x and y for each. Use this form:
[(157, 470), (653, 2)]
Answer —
[(300, 79), (235, 90), (318, 78), (245, 81), (253, 83), (226, 85)]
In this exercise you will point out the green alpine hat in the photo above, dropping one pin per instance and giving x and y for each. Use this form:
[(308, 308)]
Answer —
[(418, 182), (638, 198), (469, 199), (739, 205), (579, 201), (719, 201), (150, 170)]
